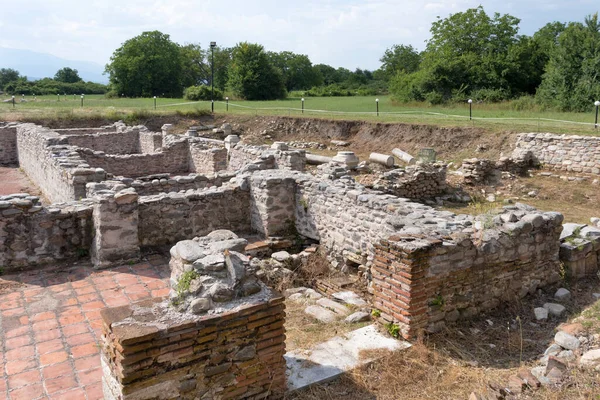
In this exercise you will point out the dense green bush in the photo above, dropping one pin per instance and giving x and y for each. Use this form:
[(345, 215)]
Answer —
[(50, 86), (490, 95), (203, 92)]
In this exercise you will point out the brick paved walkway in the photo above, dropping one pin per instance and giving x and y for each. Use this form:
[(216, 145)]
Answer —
[(50, 325)]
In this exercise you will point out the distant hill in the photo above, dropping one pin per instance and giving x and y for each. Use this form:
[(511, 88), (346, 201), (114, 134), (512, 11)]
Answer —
[(41, 65)]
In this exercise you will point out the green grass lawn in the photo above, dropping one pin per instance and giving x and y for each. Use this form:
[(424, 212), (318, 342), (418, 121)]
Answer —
[(493, 117)]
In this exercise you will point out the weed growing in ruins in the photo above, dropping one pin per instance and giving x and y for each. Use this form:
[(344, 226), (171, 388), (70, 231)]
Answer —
[(393, 330), (438, 301), (375, 313), (183, 285), (304, 204)]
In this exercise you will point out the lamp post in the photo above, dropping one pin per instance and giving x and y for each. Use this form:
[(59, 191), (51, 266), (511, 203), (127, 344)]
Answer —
[(227, 103), (377, 102), (82, 100), (155, 102), (212, 77), (303, 105), (58, 97), (470, 109), (597, 104), (13, 99)]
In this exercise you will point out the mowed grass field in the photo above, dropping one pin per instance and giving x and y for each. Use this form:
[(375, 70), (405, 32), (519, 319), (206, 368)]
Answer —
[(494, 117)]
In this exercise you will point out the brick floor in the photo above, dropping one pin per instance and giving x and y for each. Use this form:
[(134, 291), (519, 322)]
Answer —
[(50, 326)]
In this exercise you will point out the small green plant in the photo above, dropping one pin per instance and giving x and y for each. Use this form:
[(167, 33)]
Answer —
[(304, 203), (376, 313), (438, 301), (131, 262), (393, 330), (183, 285)]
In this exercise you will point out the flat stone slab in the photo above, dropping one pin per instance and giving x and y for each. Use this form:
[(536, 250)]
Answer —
[(349, 297), (328, 360), (322, 314), (337, 308), (569, 228)]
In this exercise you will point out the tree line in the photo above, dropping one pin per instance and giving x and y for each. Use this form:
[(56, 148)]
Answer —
[(470, 55), (65, 81)]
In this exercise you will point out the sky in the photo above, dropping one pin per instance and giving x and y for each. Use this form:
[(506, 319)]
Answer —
[(342, 33)]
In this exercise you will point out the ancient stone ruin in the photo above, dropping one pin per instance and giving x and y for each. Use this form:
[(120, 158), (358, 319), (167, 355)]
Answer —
[(112, 192)]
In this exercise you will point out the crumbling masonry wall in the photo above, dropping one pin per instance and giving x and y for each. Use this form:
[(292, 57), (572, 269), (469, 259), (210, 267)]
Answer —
[(231, 355), (172, 159), (420, 284), (126, 141), (563, 152), (8, 144), (31, 235), (54, 166), (169, 218)]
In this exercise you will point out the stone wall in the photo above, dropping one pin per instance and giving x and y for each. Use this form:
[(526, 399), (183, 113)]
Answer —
[(31, 234), (414, 182), (481, 171), (8, 144), (563, 152), (150, 142), (168, 218), (58, 169), (126, 141), (206, 158), (242, 155), (348, 219), (422, 283), (273, 204), (580, 251), (161, 183), (172, 159)]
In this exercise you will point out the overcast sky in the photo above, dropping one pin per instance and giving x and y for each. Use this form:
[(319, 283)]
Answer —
[(346, 33)]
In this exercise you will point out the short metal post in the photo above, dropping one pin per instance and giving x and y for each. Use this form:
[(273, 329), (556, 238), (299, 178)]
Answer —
[(303, 105), (155, 102), (227, 103)]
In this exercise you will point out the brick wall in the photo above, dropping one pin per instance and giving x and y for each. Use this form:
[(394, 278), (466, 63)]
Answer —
[(421, 284), (234, 354)]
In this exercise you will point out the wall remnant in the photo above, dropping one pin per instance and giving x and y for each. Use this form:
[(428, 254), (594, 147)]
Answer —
[(226, 342), (8, 143), (563, 152)]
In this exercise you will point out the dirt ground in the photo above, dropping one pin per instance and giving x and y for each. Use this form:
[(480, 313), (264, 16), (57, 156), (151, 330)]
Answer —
[(13, 180)]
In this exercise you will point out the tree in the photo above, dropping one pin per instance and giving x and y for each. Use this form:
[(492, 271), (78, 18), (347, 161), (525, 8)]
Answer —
[(572, 80), (328, 73), (67, 75), (399, 58), (8, 75), (147, 65), (297, 70), (468, 53), (195, 70), (252, 76), (222, 56)]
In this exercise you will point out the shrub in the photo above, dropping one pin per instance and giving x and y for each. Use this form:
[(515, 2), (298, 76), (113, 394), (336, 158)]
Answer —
[(203, 92), (490, 95)]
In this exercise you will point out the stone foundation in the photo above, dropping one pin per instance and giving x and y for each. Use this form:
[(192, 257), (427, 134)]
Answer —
[(563, 152), (415, 182)]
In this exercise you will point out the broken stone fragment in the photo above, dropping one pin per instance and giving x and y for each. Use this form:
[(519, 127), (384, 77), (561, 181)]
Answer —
[(359, 316), (554, 309), (562, 294), (566, 341), (201, 305)]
